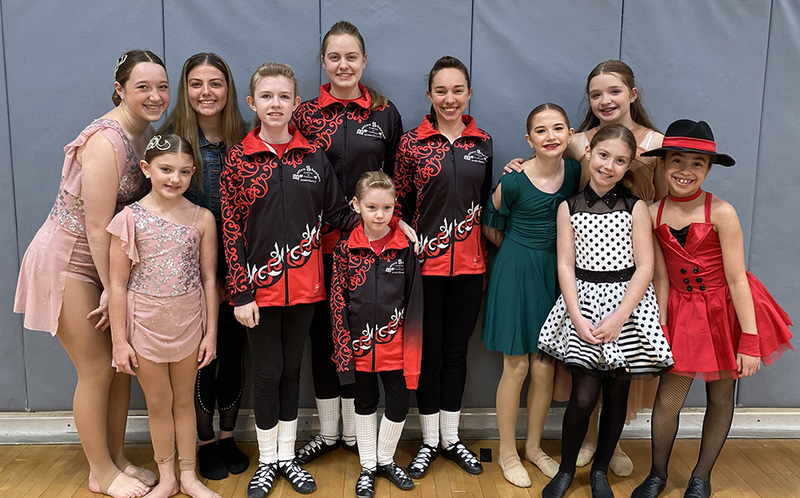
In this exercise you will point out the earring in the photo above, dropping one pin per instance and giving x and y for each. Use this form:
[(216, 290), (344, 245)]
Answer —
[(147, 175)]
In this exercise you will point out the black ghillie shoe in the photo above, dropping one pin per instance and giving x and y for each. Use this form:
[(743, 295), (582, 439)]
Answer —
[(365, 485), (396, 476), (422, 461), (462, 455), (313, 449), (261, 483)]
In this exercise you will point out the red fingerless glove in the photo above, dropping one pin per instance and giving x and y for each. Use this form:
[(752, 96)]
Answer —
[(749, 345)]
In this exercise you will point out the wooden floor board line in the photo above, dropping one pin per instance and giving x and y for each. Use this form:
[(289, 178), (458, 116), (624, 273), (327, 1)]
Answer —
[(747, 468)]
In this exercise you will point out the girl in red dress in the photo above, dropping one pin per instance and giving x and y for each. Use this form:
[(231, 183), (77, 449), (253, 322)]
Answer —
[(720, 321)]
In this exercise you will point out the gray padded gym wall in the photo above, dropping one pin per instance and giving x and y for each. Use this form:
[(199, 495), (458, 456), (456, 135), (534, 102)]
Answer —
[(774, 235), (730, 62), (12, 366)]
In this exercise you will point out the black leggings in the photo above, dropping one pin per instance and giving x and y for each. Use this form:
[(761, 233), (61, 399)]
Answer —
[(451, 311), (367, 394), (323, 369), (220, 384), (277, 344)]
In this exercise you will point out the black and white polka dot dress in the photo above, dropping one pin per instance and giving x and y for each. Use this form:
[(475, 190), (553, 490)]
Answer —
[(604, 265)]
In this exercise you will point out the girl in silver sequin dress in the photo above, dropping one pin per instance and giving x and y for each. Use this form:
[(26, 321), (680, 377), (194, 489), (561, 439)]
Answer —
[(163, 303)]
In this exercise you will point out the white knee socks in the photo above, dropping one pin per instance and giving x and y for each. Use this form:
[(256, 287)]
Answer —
[(328, 410), (430, 428), (449, 427), (367, 435), (267, 444), (287, 435), (387, 440), (349, 421)]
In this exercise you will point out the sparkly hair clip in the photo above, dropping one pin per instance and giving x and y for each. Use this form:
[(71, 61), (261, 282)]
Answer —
[(156, 143), (120, 62)]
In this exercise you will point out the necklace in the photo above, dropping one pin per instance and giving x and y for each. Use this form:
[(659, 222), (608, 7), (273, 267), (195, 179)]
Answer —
[(687, 198)]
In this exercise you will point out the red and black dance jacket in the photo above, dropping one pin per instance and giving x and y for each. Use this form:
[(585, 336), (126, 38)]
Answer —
[(272, 212), (376, 307), (356, 139), (440, 188)]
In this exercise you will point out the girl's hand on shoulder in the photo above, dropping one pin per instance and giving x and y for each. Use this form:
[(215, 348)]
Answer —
[(247, 314), (410, 234), (747, 365), (609, 328), (514, 165), (125, 358), (102, 310), (207, 351), (586, 331)]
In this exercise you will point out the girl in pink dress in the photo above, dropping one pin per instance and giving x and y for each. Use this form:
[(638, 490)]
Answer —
[(65, 269), (721, 322), (163, 302)]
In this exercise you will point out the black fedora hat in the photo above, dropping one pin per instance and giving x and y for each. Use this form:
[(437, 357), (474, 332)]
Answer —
[(685, 135)]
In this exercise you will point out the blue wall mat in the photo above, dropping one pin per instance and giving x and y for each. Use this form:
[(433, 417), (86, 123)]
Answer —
[(246, 34), (403, 41), (12, 366), (60, 65), (529, 53), (705, 60), (773, 249)]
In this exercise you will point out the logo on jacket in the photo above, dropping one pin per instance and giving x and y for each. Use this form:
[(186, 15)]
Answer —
[(307, 174), (371, 130), (476, 156), (397, 267)]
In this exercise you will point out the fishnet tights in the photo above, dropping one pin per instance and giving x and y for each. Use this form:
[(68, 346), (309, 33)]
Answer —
[(672, 391)]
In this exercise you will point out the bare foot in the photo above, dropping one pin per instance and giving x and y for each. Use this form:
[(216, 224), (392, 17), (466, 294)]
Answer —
[(123, 486), (191, 485), (144, 475), (164, 490)]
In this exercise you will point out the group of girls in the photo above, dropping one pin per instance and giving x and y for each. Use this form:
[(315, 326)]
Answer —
[(301, 203)]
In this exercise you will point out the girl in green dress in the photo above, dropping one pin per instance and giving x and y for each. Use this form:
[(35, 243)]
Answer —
[(523, 285)]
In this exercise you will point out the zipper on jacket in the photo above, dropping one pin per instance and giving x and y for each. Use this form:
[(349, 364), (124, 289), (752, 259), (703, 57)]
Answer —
[(285, 237), (455, 202), (375, 312), (344, 156)]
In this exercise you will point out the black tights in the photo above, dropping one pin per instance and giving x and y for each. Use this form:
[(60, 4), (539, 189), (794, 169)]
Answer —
[(672, 391), (220, 384), (586, 390)]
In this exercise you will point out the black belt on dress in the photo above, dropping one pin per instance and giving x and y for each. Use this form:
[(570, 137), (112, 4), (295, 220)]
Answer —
[(623, 275)]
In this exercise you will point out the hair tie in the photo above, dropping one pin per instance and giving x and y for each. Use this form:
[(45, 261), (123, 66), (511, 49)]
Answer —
[(120, 62), (155, 143)]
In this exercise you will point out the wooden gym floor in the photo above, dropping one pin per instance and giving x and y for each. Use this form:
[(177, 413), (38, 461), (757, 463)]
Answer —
[(747, 468)]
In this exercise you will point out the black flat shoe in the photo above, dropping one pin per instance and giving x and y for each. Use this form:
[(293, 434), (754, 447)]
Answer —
[(462, 455), (365, 485), (236, 461), (396, 476), (558, 485), (313, 449), (300, 479), (600, 487), (697, 488), (210, 462), (651, 487), (261, 483), (422, 461), (352, 448)]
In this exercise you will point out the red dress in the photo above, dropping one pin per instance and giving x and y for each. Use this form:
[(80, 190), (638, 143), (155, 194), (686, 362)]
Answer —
[(703, 330)]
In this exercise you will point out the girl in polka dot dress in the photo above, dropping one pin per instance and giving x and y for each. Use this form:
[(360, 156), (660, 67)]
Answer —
[(605, 326)]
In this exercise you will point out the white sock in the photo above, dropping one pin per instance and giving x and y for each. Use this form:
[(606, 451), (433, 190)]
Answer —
[(388, 437), (367, 435), (349, 421), (328, 410), (430, 428), (267, 445), (287, 435), (448, 425)]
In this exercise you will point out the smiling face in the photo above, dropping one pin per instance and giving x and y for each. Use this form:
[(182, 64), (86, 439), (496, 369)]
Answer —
[(170, 174), (344, 61), (145, 94), (376, 208), (610, 98), (207, 90), (273, 101), (449, 95), (685, 172), (608, 162), (549, 134)]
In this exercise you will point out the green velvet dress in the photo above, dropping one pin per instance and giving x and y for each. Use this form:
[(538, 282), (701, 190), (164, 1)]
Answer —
[(523, 285)]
